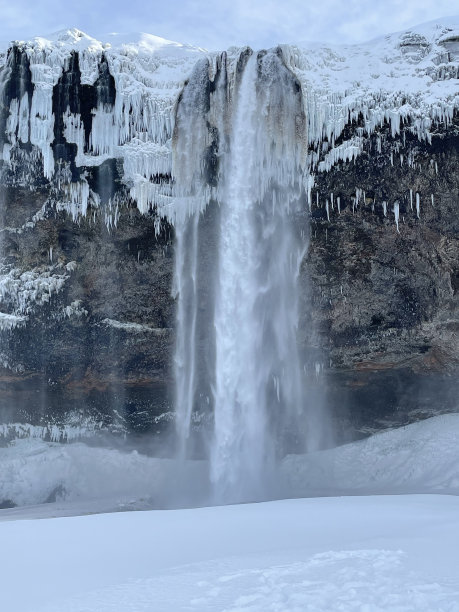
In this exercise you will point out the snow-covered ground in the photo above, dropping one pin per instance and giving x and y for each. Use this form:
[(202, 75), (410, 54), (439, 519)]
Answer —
[(320, 554), (78, 476), (356, 552)]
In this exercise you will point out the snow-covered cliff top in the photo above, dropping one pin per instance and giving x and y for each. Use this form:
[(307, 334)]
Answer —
[(410, 75), (409, 78), (65, 41), (413, 60)]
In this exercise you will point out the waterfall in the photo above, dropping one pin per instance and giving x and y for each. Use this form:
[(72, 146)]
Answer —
[(185, 353), (191, 196), (252, 309)]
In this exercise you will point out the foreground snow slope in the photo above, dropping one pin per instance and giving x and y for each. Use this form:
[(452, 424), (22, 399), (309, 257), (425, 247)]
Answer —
[(354, 553), (365, 553)]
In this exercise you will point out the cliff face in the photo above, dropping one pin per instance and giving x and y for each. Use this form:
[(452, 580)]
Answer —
[(95, 353), (87, 242), (384, 299)]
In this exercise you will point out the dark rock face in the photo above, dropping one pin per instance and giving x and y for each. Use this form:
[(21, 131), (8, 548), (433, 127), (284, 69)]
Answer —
[(100, 348), (385, 303), (379, 309), (94, 354)]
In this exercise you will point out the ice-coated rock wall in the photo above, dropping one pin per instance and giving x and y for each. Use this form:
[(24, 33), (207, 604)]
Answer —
[(96, 139)]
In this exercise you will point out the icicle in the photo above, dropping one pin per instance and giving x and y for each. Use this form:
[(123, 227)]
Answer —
[(418, 205), (396, 214), (75, 199), (309, 183), (23, 119)]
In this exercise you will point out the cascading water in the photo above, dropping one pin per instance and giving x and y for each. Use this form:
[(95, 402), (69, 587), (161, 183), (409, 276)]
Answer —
[(191, 197), (253, 302), (257, 371)]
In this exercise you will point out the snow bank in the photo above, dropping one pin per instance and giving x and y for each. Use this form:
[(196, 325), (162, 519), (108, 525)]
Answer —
[(423, 456), (418, 458), (34, 472)]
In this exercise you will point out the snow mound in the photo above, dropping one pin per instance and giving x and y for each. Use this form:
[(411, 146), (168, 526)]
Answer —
[(423, 456), (36, 472)]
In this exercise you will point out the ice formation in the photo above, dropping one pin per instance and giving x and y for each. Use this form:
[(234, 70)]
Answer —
[(397, 214), (408, 80), (22, 291), (78, 427), (135, 328), (75, 309), (148, 74)]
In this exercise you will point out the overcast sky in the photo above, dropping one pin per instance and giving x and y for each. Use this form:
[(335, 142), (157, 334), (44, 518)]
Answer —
[(222, 23)]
